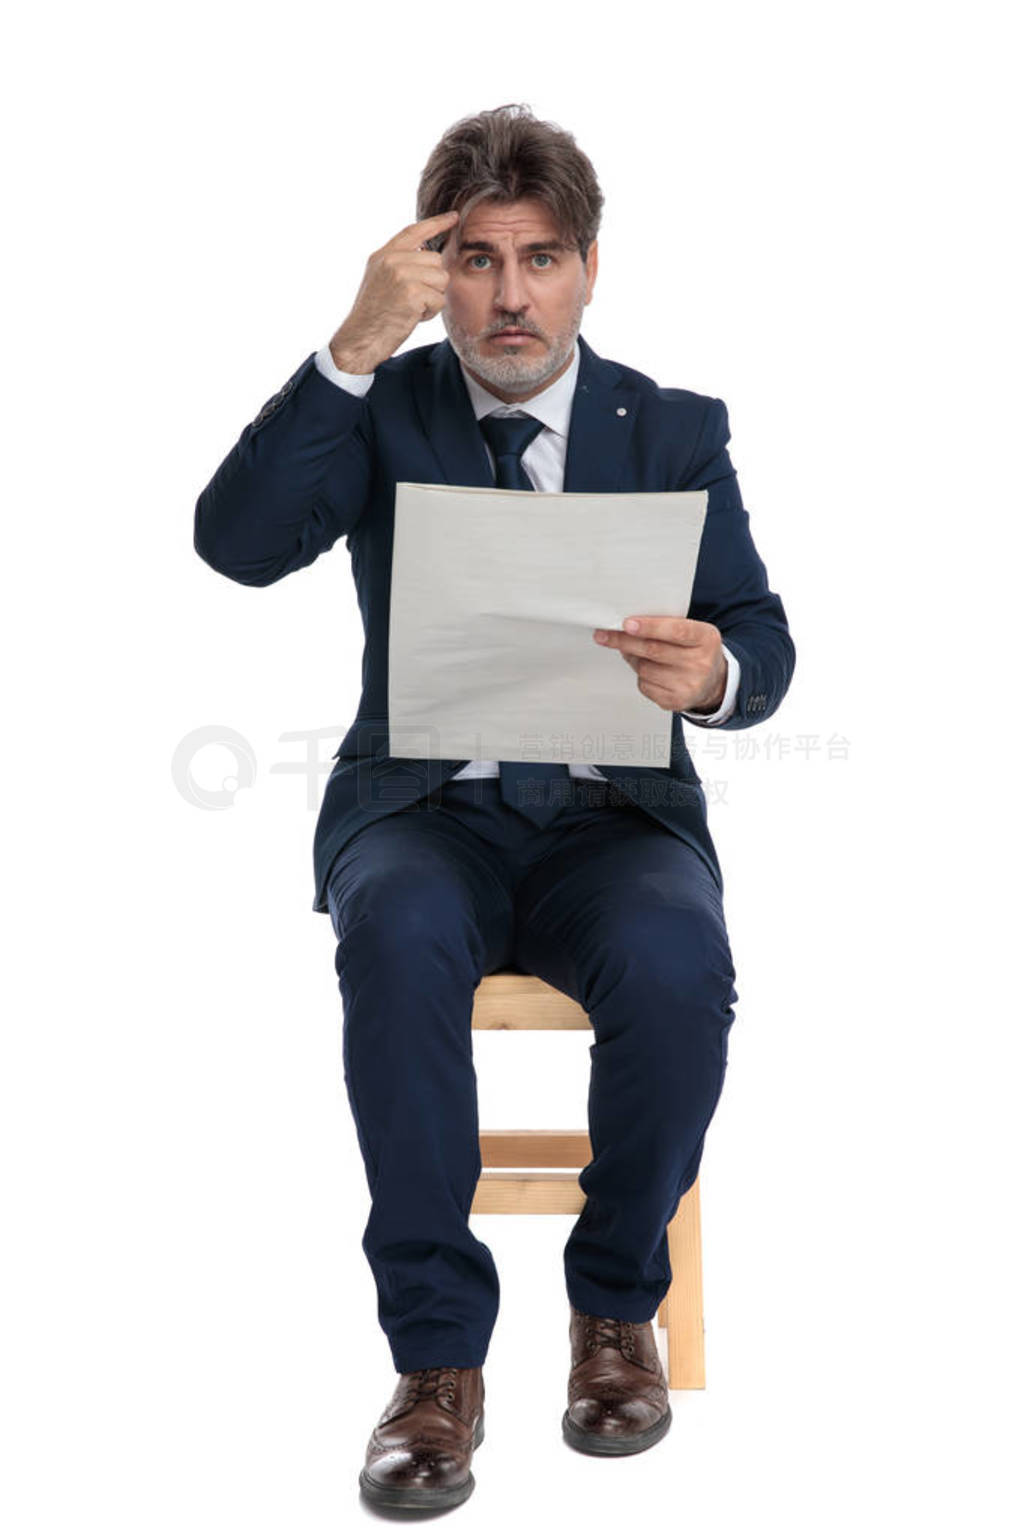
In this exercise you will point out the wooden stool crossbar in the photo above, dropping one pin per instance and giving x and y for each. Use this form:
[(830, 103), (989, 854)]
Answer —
[(528, 1186)]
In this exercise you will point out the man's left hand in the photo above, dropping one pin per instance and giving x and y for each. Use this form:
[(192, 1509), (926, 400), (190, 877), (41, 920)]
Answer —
[(679, 662)]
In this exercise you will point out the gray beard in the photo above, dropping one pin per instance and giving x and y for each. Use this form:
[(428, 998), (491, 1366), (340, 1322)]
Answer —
[(511, 371)]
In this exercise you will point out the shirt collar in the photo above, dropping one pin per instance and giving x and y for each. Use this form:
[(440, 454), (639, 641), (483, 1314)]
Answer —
[(553, 406)]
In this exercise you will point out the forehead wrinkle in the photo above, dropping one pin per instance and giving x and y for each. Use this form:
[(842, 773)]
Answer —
[(483, 219)]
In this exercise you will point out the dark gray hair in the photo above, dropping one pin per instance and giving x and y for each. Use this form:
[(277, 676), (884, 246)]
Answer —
[(506, 154)]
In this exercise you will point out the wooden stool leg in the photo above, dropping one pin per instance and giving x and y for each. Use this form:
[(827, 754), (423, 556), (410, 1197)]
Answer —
[(683, 1305)]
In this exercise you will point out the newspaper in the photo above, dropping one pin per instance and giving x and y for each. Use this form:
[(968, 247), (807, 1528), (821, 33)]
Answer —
[(495, 595)]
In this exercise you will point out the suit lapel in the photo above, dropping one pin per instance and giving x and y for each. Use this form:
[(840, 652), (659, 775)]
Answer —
[(448, 420), (600, 426)]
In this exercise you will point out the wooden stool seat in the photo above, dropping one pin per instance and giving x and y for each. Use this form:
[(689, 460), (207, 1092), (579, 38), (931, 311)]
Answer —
[(527, 1186)]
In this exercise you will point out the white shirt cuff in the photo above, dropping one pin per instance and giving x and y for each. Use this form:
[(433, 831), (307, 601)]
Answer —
[(728, 704), (355, 383)]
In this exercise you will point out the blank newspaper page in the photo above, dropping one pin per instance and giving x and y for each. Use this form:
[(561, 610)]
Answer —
[(495, 595)]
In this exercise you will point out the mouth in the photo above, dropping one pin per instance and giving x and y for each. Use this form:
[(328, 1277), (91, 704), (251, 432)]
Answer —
[(513, 334)]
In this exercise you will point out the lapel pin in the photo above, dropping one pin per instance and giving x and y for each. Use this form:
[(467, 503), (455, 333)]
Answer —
[(621, 411)]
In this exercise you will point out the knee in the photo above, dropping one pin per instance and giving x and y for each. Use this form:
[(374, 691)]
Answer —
[(402, 928), (660, 960), (663, 1011)]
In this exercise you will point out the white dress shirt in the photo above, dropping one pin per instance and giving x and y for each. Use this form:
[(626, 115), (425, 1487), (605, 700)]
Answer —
[(544, 463)]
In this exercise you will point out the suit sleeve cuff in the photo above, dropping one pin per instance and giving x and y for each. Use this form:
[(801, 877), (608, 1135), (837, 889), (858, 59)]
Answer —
[(728, 704), (354, 383)]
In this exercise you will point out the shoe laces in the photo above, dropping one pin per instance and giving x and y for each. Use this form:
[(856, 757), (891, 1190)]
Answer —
[(614, 1331), (431, 1381)]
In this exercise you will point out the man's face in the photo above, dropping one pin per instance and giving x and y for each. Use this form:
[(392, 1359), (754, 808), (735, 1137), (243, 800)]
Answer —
[(515, 296)]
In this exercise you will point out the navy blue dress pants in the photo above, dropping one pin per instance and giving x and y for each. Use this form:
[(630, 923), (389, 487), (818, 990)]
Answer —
[(609, 907)]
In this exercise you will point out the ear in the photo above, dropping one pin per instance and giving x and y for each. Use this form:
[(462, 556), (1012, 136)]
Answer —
[(591, 268)]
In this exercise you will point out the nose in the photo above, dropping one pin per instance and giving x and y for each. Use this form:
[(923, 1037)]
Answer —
[(510, 292)]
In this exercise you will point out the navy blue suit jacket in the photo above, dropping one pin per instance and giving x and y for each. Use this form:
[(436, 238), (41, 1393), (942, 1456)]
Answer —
[(318, 463)]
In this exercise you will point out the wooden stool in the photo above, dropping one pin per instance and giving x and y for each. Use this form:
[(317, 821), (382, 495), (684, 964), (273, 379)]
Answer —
[(511, 1000)]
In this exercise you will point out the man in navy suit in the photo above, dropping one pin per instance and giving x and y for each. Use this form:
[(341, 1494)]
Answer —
[(600, 879)]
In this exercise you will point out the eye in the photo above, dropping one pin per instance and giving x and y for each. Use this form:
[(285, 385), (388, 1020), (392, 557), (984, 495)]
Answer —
[(479, 256), (542, 256)]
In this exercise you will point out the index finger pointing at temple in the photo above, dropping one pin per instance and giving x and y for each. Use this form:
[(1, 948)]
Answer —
[(413, 235)]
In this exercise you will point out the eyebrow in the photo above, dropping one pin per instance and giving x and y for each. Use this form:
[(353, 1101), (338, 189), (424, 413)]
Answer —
[(535, 245)]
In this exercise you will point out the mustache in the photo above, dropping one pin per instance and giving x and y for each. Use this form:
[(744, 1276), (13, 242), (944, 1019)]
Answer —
[(512, 324)]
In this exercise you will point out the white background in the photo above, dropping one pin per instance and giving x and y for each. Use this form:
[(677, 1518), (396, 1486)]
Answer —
[(809, 214)]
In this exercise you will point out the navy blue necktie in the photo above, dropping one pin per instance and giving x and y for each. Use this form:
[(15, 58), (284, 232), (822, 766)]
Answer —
[(509, 437)]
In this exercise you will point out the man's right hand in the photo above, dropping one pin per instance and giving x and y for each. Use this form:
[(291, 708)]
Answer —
[(401, 286)]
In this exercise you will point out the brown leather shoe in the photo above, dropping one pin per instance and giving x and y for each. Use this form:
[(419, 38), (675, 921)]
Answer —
[(419, 1453), (618, 1395)]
